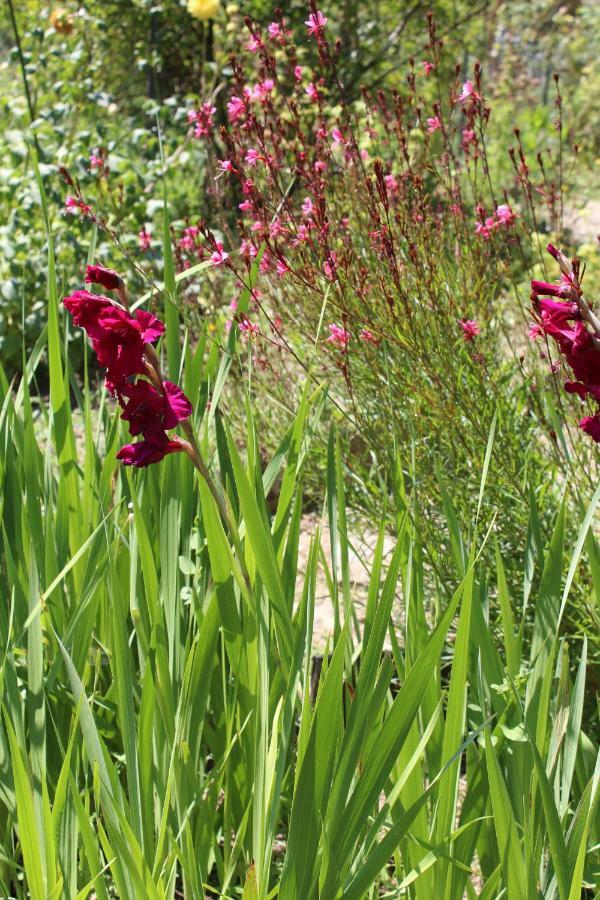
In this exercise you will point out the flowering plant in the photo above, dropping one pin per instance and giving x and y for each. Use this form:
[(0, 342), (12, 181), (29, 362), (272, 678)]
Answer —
[(564, 314)]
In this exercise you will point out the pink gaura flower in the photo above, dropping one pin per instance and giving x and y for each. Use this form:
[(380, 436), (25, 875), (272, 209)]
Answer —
[(96, 160), (368, 336), (145, 238), (329, 266), (248, 327), (218, 256), (248, 249), (338, 336), (245, 205), (428, 67), (263, 89), (282, 268), (312, 92), (274, 30), (505, 215), (391, 184), (202, 119), (433, 124), (252, 157), (74, 204), (307, 207), (470, 329), (275, 228), (468, 137), (225, 165), (235, 109), (254, 44), (298, 73), (315, 23), (468, 93), (265, 263), (337, 137), (303, 234)]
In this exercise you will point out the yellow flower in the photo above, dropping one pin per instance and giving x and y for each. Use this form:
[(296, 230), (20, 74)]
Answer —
[(203, 9), (61, 21)]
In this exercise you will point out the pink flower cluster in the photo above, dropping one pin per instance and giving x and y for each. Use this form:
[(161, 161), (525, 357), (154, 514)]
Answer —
[(470, 329), (338, 336), (76, 204), (504, 217), (316, 23), (564, 315), (202, 120), (123, 344)]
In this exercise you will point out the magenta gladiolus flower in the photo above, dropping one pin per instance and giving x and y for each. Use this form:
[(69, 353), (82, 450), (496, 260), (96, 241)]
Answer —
[(107, 278), (146, 409), (154, 447), (563, 289), (576, 331), (123, 344), (591, 426)]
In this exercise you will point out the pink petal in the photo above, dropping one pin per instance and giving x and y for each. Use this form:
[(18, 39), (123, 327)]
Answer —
[(151, 328), (177, 405)]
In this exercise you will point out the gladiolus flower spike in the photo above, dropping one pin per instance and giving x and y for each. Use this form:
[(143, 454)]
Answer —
[(123, 344), (564, 315)]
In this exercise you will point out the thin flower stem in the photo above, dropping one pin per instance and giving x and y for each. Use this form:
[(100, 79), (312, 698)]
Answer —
[(225, 510)]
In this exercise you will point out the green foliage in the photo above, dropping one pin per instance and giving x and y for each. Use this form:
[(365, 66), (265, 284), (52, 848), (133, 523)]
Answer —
[(171, 742), (164, 730)]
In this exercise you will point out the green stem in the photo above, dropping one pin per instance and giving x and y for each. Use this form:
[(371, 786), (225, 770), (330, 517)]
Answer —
[(15, 29), (224, 509)]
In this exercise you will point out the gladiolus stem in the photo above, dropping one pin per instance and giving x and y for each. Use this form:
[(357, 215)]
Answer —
[(225, 511)]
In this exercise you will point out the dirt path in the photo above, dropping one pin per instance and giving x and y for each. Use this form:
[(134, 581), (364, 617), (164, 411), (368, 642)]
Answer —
[(360, 559)]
